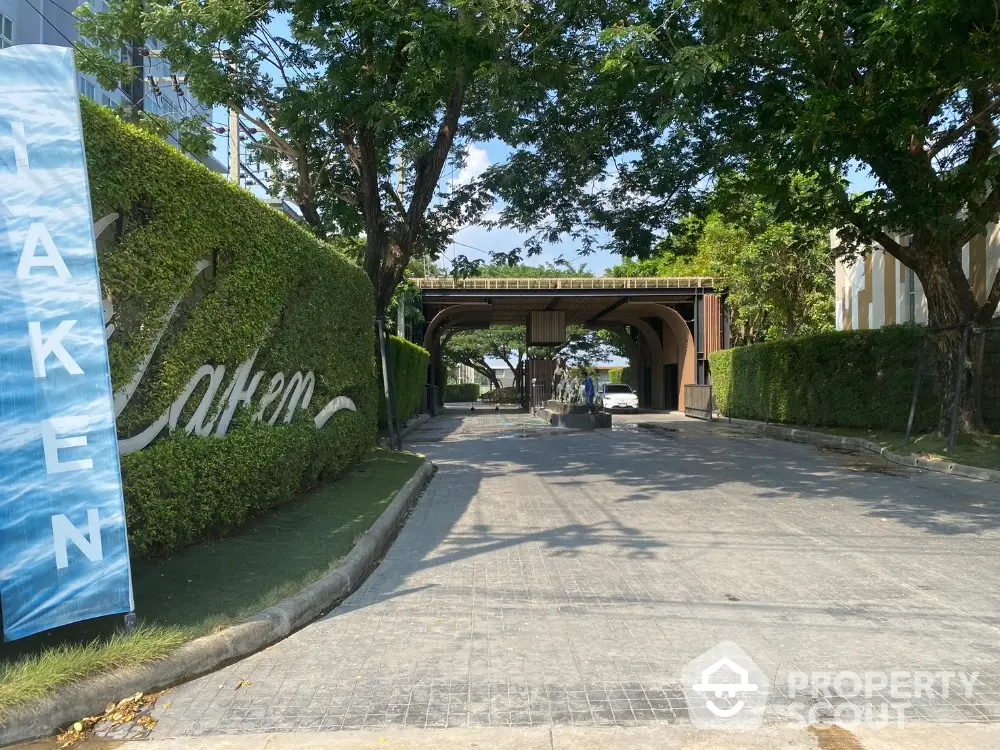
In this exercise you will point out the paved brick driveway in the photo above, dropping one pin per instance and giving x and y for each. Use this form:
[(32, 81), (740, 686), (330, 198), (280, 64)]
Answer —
[(553, 578)]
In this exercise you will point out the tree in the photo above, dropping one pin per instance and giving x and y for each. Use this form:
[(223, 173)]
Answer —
[(559, 269), (475, 348), (361, 106), (779, 280), (508, 344), (907, 90), (666, 264), (771, 254)]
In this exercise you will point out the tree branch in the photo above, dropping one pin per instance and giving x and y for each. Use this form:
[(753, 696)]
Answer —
[(285, 147), (394, 197), (900, 252), (428, 167), (979, 216), (399, 60), (977, 121)]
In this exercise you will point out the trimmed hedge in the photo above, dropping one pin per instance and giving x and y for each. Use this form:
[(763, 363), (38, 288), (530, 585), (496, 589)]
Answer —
[(462, 392), (409, 363), (509, 395), (837, 379), (270, 287), (183, 489)]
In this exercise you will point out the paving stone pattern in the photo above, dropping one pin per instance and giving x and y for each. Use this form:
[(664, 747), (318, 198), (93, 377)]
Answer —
[(560, 578)]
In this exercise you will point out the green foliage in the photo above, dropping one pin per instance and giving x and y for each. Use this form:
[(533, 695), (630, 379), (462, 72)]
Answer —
[(906, 92), (186, 489), (779, 279), (35, 676), (771, 253), (838, 379), (409, 363), (361, 106), (474, 348), (461, 392), (507, 343), (548, 271), (272, 288), (507, 395), (274, 556), (619, 375), (666, 264)]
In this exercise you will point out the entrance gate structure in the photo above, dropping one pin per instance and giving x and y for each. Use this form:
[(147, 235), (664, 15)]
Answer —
[(669, 326)]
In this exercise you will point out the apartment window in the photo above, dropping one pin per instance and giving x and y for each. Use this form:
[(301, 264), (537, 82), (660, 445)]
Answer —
[(6, 32), (88, 89)]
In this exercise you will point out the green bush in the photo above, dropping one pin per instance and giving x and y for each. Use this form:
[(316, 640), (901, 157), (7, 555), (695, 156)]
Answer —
[(461, 392), (409, 363), (270, 287), (838, 379), (183, 489), (502, 396), (619, 375)]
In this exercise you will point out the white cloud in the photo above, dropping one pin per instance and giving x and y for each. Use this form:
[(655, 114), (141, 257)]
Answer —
[(477, 162)]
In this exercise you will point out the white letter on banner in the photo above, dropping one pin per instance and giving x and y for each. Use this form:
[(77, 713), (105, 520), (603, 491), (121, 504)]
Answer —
[(37, 232), (52, 443), (20, 146), (63, 532), (42, 347)]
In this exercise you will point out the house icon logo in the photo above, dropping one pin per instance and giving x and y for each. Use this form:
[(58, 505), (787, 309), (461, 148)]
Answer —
[(724, 689)]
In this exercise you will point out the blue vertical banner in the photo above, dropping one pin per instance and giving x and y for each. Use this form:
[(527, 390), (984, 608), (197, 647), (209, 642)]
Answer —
[(63, 546)]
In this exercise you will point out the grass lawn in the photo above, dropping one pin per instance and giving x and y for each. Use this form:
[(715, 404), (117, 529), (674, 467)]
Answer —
[(982, 451), (214, 584)]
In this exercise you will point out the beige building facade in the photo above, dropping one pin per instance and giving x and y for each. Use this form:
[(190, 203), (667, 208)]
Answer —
[(878, 290)]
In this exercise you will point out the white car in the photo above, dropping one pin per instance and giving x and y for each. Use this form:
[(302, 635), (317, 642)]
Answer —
[(617, 396)]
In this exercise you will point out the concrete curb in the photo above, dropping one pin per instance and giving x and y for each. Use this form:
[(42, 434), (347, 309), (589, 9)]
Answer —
[(820, 438), (202, 655)]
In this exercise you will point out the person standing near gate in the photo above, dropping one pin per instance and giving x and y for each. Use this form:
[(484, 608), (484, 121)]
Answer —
[(590, 392)]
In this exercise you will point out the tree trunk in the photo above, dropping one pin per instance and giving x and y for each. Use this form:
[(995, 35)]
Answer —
[(948, 315), (383, 269), (483, 368), (312, 218)]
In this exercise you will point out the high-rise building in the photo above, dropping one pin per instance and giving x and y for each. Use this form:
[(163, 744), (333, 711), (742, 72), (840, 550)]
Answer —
[(53, 22)]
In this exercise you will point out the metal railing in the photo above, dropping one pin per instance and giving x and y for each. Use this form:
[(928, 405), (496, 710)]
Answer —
[(688, 282), (541, 391), (698, 401)]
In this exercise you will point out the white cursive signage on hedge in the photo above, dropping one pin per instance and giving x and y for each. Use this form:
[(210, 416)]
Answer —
[(294, 395), (291, 396)]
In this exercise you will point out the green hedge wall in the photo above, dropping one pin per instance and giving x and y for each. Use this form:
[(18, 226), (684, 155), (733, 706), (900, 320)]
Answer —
[(269, 287), (461, 392), (409, 363), (838, 379)]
